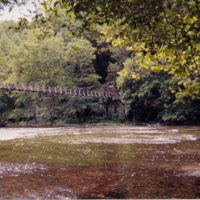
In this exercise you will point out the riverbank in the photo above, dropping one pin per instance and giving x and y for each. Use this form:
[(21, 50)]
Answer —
[(92, 124), (103, 123)]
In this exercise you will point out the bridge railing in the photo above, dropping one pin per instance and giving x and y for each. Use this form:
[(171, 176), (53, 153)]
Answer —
[(59, 90)]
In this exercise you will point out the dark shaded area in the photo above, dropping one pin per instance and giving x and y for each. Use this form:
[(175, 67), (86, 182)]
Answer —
[(103, 57)]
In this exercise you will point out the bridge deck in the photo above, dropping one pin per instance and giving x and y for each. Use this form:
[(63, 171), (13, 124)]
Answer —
[(61, 91)]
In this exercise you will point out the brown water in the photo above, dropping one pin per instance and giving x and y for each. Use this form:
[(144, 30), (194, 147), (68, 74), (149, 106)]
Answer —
[(100, 162)]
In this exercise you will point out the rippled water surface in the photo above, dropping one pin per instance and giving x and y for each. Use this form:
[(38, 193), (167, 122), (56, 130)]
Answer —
[(100, 162)]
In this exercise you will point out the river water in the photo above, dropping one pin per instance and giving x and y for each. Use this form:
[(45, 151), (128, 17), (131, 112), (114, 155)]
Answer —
[(100, 162)]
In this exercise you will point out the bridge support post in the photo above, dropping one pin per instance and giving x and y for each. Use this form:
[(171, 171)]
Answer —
[(110, 109), (113, 108)]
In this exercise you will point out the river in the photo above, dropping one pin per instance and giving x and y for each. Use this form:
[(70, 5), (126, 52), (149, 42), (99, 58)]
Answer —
[(100, 162)]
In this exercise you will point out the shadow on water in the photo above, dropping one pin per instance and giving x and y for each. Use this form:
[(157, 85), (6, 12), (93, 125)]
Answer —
[(100, 162)]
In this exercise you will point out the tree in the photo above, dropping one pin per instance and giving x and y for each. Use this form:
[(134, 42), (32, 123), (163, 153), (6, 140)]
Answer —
[(79, 57), (152, 46), (163, 35), (52, 60), (35, 60)]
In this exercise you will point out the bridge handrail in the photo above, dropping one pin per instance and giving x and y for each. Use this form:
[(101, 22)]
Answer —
[(59, 90)]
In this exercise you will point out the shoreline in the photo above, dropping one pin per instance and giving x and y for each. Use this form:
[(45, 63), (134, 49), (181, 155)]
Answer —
[(156, 125)]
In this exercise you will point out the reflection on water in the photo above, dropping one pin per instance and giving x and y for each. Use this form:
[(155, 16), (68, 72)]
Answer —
[(14, 133), (112, 135), (15, 169), (191, 170), (100, 162), (53, 193)]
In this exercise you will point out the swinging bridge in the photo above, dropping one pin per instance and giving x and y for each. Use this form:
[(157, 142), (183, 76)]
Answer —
[(105, 95)]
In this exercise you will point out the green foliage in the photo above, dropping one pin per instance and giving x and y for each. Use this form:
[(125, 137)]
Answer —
[(151, 97), (182, 112), (34, 58), (79, 56), (6, 105), (162, 35), (150, 48)]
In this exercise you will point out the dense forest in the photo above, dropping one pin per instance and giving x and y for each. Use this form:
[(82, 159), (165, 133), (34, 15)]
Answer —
[(150, 49)]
